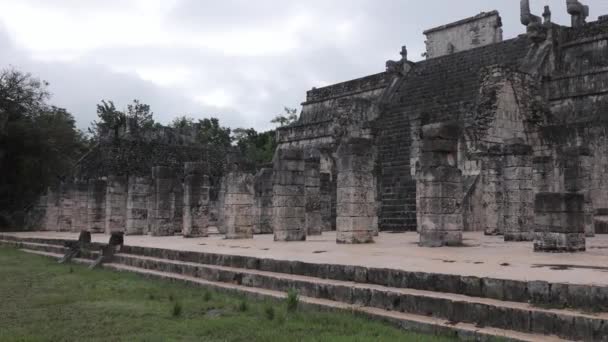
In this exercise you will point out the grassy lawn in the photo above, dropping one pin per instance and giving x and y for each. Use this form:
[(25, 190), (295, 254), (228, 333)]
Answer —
[(43, 301)]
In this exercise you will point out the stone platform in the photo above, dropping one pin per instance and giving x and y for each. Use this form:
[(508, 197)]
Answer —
[(487, 290), (482, 256)]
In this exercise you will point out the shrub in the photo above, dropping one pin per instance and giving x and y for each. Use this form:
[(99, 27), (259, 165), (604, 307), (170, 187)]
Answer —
[(293, 298), (243, 306), (177, 309), (269, 312), (207, 296)]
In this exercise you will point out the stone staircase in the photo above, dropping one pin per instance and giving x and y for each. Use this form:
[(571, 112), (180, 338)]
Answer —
[(404, 299)]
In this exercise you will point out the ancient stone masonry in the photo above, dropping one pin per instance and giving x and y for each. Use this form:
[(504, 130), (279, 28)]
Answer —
[(116, 204), (472, 138), (263, 201), (196, 200), (328, 199), (138, 192), (357, 220), (177, 203), (440, 186), (518, 193), (96, 205), (577, 179), (161, 215), (559, 222), (81, 220), (238, 203), (312, 179), (493, 191), (288, 196)]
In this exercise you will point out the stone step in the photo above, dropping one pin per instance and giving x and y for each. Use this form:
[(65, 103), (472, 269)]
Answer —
[(589, 297), (520, 317), (406, 321)]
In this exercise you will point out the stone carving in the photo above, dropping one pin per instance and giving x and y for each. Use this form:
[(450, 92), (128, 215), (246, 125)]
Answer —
[(288, 196), (357, 220), (440, 185), (578, 12), (537, 32), (196, 200)]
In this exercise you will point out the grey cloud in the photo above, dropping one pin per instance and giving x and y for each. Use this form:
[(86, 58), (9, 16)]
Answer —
[(379, 30)]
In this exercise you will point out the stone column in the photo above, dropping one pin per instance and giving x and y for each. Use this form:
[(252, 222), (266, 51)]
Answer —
[(559, 224), (492, 191), (138, 192), (441, 188), (238, 205), (116, 204), (600, 221), (81, 220), (518, 193), (288, 196), (326, 189), (312, 191), (51, 215), (577, 178), (96, 205), (196, 201), (356, 220), (66, 207), (263, 202), (162, 186), (177, 205)]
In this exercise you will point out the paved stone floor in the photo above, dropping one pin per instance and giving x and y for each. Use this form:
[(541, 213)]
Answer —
[(483, 256)]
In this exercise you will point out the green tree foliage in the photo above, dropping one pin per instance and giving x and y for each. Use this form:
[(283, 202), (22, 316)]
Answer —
[(257, 147), (289, 117), (111, 121), (206, 131), (38, 143)]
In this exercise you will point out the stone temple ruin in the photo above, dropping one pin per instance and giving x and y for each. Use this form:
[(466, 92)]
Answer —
[(497, 145), (508, 137)]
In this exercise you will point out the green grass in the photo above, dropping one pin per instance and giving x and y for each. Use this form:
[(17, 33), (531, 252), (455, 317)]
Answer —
[(41, 300)]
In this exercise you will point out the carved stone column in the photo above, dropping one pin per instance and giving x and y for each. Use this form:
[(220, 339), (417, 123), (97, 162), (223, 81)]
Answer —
[(116, 204), (81, 220), (559, 224), (238, 205), (162, 187), (96, 205), (66, 207), (137, 205), (356, 220), (196, 201), (492, 191), (577, 163), (440, 186), (263, 202), (288, 196), (518, 193), (314, 224)]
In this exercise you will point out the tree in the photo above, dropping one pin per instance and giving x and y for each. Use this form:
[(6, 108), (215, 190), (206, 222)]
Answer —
[(289, 117), (138, 116), (257, 147), (110, 120), (39, 143)]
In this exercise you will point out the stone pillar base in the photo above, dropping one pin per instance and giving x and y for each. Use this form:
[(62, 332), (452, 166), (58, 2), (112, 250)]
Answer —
[(521, 236), (559, 221), (290, 235)]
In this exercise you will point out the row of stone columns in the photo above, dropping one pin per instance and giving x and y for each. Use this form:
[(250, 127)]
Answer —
[(556, 221)]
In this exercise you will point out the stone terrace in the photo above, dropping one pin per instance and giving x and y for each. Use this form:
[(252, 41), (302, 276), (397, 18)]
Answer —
[(482, 256)]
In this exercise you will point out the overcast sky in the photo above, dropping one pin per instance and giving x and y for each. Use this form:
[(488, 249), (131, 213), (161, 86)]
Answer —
[(239, 60)]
